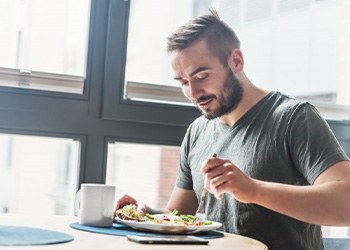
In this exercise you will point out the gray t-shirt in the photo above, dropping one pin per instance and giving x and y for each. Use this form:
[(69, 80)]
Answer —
[(280, 139)]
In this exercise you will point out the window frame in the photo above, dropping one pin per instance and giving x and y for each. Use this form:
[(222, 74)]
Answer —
[(115, 107), (25, 81), (48, 113), (24, 77)]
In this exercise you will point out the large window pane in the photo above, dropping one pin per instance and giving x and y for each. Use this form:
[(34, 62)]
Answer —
[(38, 175), (152, 69), (301, 48), (147, 172), (44, 36), (298, 47)]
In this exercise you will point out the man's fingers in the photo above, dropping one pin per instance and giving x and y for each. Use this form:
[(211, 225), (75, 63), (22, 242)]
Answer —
[(211, 163), (125, 200), (141, 207)]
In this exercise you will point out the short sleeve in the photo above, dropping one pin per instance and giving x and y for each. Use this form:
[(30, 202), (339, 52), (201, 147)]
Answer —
[(184, 178), (314, 147)]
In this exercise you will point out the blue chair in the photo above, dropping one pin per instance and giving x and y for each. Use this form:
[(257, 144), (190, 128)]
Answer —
[(336, 243)]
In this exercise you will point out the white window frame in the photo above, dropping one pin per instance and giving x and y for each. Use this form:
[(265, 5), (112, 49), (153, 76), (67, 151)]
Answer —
[(36, 80), (115, 106)]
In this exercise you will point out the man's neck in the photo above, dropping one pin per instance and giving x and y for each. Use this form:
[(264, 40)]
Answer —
[(251, 96)]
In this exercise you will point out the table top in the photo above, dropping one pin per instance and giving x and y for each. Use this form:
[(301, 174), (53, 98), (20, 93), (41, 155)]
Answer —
[(92, 241)]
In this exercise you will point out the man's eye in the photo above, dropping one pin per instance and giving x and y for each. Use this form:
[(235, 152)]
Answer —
[(183, 83), (201, 77)]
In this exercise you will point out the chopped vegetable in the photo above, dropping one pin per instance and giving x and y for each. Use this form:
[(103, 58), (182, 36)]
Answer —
[(208, 222), (149, 216), (188, 217)]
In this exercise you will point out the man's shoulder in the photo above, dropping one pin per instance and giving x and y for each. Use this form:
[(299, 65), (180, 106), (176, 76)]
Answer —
[(288, 103), (285, 98)]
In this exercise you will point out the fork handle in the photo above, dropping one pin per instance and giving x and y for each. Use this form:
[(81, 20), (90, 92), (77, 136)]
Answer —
[(202, 198)]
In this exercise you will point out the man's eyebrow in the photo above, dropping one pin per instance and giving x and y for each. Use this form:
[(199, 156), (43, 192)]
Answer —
[(198, 70), (193, 72), (177, 78)]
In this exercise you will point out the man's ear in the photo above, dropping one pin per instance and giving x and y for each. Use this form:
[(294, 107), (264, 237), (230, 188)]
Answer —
[(235, 60)]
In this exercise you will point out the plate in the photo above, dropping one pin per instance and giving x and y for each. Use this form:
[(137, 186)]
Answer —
[(167, 228)]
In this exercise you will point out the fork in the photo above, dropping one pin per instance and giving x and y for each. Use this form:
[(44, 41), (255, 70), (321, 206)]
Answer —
[(200, 214)]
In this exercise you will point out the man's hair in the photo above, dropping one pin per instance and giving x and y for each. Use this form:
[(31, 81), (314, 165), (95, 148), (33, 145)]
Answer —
[(220, 38)]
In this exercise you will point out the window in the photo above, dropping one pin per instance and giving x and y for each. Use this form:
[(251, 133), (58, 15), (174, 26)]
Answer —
[(44, 44), (147, 172), (285, 44), (149, 68), (71, 129), (39, 174), (287, 51)]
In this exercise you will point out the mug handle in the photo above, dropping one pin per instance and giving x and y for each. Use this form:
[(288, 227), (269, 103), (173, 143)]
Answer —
[(77, 202)]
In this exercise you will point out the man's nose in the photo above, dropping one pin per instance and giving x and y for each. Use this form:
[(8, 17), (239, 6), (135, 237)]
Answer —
[(195, 91)]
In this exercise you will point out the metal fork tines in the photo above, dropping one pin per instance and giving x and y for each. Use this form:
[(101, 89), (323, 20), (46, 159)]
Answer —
[(201, 205)]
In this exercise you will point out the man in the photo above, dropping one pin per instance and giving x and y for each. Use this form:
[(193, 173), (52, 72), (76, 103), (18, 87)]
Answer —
[(279, 171)]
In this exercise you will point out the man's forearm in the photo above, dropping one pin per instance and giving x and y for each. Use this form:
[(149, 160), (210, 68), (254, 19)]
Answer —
[(325, 204)]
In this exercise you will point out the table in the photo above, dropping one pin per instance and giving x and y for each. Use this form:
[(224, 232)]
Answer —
[(92, 241)]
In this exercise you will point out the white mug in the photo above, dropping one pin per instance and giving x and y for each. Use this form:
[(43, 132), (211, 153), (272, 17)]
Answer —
[(95, 204)]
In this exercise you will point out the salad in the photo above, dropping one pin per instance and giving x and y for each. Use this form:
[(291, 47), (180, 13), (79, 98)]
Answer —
[(130, 212)]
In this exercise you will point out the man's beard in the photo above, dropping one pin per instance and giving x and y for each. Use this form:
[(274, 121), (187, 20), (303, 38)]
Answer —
[(229, 98)]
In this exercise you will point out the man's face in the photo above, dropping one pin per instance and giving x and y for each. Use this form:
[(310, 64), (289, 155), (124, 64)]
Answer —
[(212, 87), (228, 98)]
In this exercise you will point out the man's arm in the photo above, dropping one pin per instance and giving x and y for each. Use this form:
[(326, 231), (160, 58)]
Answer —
[(326, 202), (183, 200)]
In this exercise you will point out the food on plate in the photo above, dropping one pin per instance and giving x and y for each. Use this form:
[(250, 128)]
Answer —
[(130, 212)]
